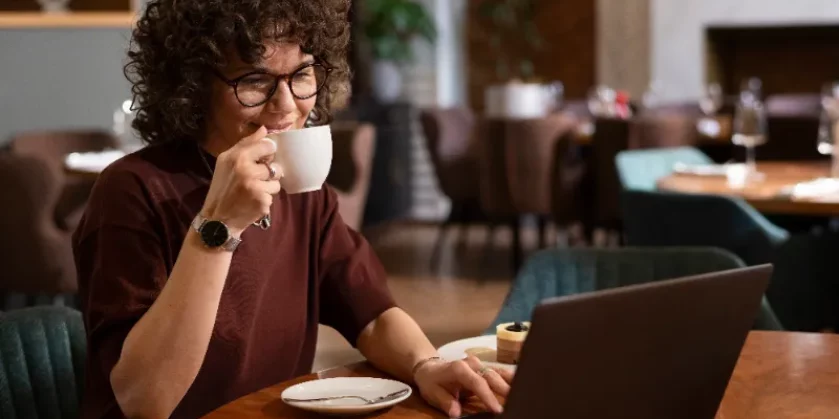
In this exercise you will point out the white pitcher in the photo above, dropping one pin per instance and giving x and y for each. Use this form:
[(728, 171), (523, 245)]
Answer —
[(516, 100)]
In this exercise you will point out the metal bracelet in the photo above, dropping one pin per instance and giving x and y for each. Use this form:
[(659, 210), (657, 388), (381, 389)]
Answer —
[(423, 362)]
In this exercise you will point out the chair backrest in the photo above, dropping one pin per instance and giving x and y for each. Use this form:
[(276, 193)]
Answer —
[(641, 169), (804, 291), (42, 352), (611, 136), (577, 108), (673, 219), (352, 165), (540, 150), (53, 146), (60, 143), (661, 127), (493, 159), (449, 137), (39, 258), (560, 272)]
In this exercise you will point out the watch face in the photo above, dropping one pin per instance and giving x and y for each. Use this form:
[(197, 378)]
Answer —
[(214, 233)]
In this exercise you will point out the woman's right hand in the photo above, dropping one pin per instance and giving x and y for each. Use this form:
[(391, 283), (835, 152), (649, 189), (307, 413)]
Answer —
[(242, 189)]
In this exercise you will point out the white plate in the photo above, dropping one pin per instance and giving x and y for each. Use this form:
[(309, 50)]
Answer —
[(456, 350), (366, 387), (94, 161), (704, 169)]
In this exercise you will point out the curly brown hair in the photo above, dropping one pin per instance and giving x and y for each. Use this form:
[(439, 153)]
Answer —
[(177, 43)]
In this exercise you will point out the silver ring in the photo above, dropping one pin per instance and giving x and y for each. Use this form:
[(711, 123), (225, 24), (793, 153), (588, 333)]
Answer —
[(271, 171), (483, 371), (264, 222)]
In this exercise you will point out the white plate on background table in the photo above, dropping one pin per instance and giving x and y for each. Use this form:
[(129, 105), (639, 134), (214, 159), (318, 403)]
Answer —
[(456, 350), (367, 387), (720, 170), (93, 161)]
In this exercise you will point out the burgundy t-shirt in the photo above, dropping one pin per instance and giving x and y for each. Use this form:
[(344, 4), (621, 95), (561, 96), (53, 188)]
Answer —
[(308, 268)]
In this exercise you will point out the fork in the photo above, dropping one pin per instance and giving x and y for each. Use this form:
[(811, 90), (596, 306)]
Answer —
[(381, 399)]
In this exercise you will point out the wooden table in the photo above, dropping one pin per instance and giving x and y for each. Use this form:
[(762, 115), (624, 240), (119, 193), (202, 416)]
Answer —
[(779, 375), (767, 195)]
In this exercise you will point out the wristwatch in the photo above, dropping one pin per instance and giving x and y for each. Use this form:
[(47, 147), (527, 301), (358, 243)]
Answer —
[(215, 234)]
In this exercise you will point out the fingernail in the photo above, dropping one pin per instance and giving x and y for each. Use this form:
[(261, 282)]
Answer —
[(273, 143)]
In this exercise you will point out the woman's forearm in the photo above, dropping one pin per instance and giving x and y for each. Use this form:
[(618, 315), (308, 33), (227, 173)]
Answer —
[(163, 352), (394, 343)]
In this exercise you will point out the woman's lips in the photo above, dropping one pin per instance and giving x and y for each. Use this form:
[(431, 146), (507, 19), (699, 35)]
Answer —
[(276, 128)]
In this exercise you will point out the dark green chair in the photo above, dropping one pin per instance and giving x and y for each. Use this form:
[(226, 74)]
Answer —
[(805, 284), (42, 354), (641, 169), (662, 219), (560, 272)]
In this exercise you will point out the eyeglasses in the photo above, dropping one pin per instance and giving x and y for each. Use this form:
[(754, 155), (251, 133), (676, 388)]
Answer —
[(257, 87)]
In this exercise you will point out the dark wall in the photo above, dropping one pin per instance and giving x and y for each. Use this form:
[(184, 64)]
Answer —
[(787, 59)]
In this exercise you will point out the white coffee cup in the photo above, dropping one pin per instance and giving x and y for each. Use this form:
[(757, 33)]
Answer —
[(305, 156)]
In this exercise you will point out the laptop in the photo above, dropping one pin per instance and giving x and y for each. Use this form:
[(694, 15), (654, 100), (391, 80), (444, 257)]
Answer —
[(658, 350)]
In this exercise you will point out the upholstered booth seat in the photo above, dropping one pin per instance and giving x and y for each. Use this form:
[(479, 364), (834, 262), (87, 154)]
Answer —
[(42, 353), (561, 272)]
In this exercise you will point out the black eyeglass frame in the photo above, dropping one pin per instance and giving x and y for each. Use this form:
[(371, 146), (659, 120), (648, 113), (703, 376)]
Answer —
[(234, 83)]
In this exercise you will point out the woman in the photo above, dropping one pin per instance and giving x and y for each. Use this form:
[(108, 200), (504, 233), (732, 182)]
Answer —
[(181, 322)]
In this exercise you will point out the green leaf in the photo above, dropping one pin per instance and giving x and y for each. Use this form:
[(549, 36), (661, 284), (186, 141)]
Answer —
[(487, 9), (390, 25), (526, 69)]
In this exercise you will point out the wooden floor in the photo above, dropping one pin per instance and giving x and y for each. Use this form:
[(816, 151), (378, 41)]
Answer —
[(457, 299)]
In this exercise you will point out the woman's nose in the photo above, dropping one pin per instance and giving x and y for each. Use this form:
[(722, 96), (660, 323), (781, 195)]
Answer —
[(282, 101)]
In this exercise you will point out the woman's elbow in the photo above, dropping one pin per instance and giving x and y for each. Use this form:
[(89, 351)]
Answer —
[(137, 400)]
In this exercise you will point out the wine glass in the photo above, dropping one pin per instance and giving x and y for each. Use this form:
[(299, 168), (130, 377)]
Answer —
[(601, 101), (752, 86), (653, 96), (830, 99), (712, 101), (555, 92), (826, 134), (749, 128)]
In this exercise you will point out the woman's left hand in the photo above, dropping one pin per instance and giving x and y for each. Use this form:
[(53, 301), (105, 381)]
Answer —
[(444, 384)]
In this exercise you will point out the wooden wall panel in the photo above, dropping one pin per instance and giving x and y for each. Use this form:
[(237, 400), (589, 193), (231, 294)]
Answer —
[(569, 30), (787, 59)]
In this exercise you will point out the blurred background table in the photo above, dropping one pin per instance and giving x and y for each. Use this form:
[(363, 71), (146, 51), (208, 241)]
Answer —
[(770, 195)]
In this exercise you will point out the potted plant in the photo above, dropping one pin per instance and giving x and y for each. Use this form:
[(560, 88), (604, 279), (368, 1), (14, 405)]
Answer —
[(514, 38), (391, 26)]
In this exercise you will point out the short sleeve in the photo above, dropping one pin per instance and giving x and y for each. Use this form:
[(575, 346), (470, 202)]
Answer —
[(120, 264), (353, 282)]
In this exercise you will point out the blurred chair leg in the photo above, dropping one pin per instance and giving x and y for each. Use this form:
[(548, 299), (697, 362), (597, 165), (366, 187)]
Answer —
[(563, 236), (518, 253), (489, 246), (543, 231), (454, 214), (438, 245)]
